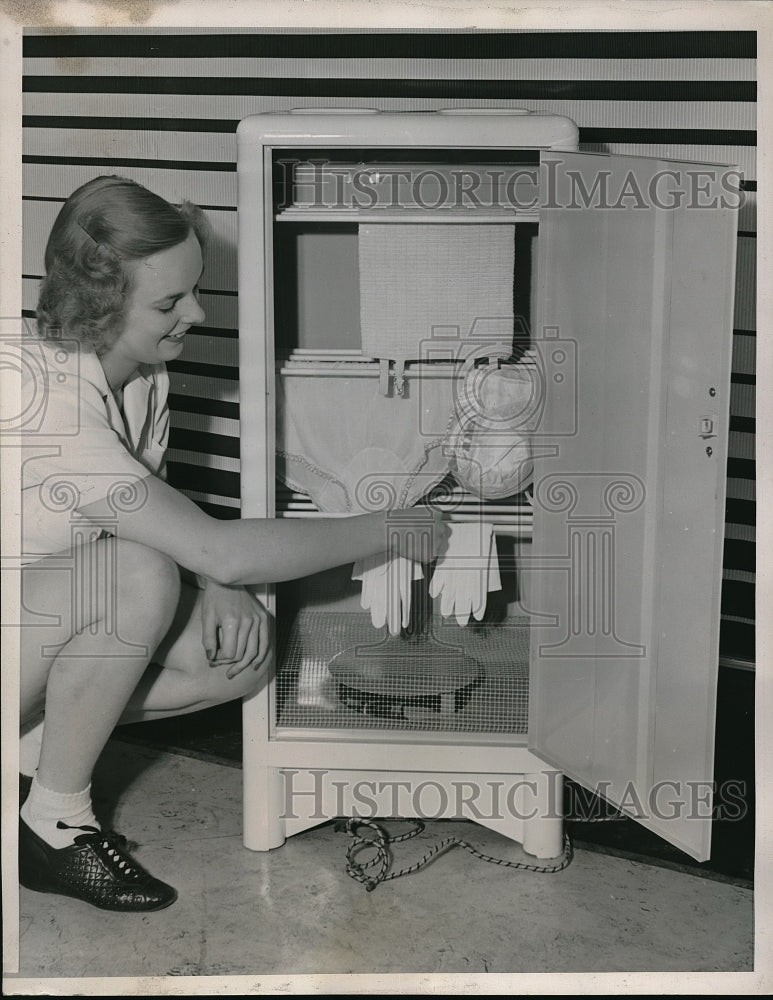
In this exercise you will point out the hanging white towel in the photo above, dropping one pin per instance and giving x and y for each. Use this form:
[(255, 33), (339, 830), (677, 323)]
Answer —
[(418, 278)]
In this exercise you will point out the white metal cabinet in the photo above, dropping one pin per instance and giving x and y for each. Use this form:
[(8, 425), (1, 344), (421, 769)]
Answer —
[(637, 301)]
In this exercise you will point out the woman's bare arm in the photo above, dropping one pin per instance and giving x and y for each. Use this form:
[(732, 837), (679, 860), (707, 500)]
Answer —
[(256, 550)]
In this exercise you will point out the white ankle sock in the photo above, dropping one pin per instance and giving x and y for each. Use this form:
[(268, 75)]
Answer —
[(30, 739), (44, 808)]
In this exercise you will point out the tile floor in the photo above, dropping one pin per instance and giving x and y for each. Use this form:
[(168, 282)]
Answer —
[(294, 911)]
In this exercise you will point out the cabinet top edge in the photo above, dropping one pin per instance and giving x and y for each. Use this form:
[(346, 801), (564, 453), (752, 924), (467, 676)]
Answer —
[(462, 128)]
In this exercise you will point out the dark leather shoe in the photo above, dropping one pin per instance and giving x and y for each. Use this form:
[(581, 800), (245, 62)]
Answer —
[(25, 783), (96, 869)]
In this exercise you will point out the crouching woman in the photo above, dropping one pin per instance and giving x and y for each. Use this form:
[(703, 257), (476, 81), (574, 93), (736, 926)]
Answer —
[(134, 600)]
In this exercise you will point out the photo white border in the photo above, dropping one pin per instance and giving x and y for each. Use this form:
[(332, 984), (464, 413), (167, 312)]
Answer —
[(347, 15)]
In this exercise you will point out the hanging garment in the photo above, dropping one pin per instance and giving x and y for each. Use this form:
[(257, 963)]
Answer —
[(466, 572), (416, 280), (488, 443), (353, 450)]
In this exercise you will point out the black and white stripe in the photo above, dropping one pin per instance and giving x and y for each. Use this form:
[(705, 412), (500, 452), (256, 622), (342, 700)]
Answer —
[(162, 107)]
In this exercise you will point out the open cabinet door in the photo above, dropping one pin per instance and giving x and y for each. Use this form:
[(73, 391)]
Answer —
[(634, 339)]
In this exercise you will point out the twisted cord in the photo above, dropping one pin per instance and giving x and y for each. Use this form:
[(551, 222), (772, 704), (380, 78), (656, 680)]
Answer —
[(380, 840)]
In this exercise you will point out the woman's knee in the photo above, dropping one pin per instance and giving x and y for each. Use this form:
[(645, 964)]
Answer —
[(147, 587), (247, 682), (111, 589)]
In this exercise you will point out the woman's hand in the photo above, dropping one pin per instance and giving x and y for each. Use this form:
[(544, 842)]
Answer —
[(418, 533), (236, 628)]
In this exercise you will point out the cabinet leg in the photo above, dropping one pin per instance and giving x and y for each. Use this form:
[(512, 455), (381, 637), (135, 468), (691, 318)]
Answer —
[(543, 826), (264, 827)]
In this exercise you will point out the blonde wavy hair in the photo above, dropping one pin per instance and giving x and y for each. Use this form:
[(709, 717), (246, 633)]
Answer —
[(104, 224)]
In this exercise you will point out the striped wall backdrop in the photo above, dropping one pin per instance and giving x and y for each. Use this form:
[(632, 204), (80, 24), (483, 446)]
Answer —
[(163, 107)]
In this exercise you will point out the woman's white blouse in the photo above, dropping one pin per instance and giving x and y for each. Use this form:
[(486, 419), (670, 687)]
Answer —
[(79, 447)]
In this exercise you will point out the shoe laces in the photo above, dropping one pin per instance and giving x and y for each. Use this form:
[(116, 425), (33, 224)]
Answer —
[(111, 843)]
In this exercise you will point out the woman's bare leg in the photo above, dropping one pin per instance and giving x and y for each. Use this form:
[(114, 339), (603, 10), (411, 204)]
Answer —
[(100, 676), (108, 605), (92, 621), (85, 668), (180, 679)]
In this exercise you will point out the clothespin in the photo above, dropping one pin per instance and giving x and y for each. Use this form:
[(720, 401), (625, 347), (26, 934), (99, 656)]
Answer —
[(399, 376), (383, 376)]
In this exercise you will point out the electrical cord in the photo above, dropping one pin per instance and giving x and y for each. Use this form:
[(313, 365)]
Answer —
[(380, 840)]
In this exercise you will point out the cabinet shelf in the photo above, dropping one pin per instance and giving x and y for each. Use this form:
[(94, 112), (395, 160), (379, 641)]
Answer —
[(347, 364), (366, 368), (407, 216), (512, 518)]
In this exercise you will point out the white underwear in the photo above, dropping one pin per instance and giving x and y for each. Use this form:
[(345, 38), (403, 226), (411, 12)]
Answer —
[(352, 449)]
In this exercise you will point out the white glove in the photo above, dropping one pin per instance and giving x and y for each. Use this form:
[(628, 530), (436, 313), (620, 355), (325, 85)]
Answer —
[(466, 572), (386, 588)]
